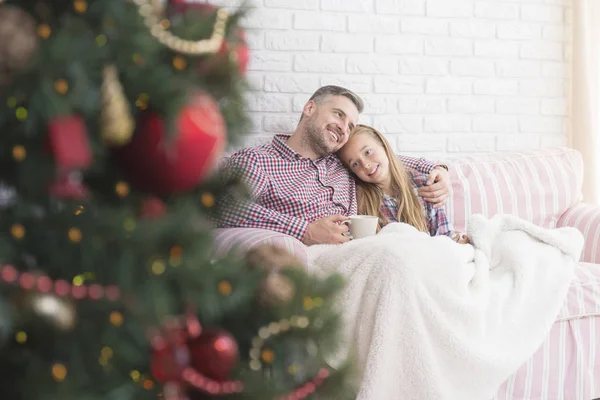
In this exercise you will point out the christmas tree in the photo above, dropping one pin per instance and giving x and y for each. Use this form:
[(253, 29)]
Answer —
[(112, 116)]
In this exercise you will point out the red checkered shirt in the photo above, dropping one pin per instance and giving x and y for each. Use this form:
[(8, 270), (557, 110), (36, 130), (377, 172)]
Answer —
[(436, 218), (288, 191)]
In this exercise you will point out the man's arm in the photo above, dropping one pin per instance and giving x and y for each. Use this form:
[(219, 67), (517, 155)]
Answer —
[(438, 185), (248, 213)]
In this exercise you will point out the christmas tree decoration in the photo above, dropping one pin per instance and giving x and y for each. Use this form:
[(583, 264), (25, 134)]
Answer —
[(69, 186), (204, 46), (152, 208), (153, 164), (276, 289), (116, 122), (68, 142), (235, 50), (18, 41), (214, 354), (170, 358), (55, 311), (110, 132)]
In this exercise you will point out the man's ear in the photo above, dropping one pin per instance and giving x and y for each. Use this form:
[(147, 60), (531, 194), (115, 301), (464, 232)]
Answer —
[(309, 108)]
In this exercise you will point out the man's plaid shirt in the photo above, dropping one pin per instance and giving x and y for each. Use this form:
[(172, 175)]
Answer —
[(288, 191), (436, 218)]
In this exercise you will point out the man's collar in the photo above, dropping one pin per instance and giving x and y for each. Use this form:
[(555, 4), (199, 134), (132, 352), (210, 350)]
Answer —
[(280, 144)]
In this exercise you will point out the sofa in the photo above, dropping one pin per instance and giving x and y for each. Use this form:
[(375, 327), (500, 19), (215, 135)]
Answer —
[(542, 186)]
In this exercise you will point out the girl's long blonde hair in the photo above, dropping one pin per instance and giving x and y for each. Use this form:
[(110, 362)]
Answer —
[(370, 196)]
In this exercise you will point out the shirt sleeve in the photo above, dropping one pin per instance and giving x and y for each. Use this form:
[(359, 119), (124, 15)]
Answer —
[(247, 212), (419, 164), (437, 219)]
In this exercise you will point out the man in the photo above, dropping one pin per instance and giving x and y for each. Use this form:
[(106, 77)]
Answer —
[(298, 185)]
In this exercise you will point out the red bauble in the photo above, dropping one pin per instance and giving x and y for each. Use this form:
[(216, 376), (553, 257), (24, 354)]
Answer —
[(214, 354), (155, 164), (169, 359), (153, 208), (69, 187)]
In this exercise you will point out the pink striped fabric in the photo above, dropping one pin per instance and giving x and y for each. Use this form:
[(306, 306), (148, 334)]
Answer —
[(567, 365), (586, 218), (538, 186), (243, 239)]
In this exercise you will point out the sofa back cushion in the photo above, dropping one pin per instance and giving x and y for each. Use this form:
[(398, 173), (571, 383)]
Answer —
[(538, 186)]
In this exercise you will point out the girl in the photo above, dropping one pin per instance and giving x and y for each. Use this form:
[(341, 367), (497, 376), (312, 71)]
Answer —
[(385, 189)]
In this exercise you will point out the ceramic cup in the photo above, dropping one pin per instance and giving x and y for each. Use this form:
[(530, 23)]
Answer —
[(362, 225)]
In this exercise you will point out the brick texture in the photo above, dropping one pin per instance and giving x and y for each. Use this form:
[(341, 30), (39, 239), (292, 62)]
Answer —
[(438, 76)]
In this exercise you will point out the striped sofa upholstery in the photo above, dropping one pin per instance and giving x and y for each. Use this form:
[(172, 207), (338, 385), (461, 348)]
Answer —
[(543, 187)]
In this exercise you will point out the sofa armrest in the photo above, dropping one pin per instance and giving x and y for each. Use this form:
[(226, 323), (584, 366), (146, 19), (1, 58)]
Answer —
[(586, 218), (243, 239)]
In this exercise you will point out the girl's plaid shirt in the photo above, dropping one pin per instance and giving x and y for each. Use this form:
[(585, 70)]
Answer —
[(436, 218)]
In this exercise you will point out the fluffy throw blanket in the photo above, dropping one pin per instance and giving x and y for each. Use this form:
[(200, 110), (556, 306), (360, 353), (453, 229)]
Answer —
[(429, 318)]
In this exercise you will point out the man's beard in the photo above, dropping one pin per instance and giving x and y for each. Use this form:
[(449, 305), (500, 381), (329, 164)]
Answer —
[(316, 140)]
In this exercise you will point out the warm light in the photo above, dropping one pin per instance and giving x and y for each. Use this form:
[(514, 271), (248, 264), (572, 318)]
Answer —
[(18, 231), (61, 86), (101, 40), (80, 6), (122, 189), (44, 31), (268, 356), (116, 318), (225, 288), (75, 235), (179, 63), (158, 267), (78, 280), (21, 337), (19, 153), (135, 375), (59, 372), (21, 113), (148, 384), (208, 200)]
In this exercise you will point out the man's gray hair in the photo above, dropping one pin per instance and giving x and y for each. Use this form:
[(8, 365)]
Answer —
[(332, 90)]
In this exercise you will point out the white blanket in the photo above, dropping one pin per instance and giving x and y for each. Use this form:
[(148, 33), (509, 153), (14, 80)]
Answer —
[(430, 319)]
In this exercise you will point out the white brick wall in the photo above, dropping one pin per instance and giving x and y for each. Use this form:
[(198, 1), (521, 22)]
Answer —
[(440, 77)]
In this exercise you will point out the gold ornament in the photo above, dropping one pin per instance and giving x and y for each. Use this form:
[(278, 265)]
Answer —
[(117, 123), (57, 311), (276, 289), (270, 258), (18, 41), (148, 9)]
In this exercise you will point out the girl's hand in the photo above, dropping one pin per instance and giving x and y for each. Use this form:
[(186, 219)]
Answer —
[(461, 238)]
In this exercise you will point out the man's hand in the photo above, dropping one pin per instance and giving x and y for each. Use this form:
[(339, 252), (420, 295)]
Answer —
[(327, 230), (437, 187)]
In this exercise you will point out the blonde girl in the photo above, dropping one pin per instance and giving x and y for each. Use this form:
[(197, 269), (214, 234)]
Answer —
[(384, 188)]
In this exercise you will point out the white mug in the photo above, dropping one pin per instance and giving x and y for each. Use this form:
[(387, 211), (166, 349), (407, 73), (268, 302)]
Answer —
[(362, 225)]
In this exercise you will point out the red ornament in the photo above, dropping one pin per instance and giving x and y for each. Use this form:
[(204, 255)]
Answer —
[(69, 186), (169, 359), (214, 354), (153, 207), (156, 164), (68, 141)]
